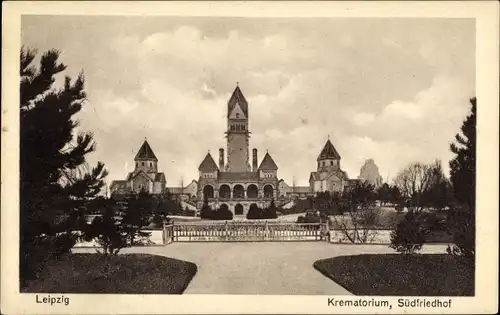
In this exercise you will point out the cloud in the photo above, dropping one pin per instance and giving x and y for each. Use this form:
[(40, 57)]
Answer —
[(395, 90)]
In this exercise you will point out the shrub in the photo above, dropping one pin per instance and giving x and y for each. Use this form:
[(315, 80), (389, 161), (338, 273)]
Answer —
[(223, 213), (409, 234), (254, 212), (206, 212), (462, 228), (108, 233)]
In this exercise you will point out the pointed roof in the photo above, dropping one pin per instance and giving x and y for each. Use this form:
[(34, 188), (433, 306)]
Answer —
[(208, 164), (237, 98), (145, 152), (328, 152), (268, 163)]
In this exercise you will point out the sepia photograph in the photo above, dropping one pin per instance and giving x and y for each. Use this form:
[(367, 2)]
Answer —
[(258, 155)]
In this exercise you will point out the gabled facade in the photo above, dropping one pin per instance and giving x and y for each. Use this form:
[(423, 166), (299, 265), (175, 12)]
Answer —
[(144, 177)]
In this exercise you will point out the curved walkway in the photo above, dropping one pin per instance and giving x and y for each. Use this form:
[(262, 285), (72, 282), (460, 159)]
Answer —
[(262, 268)]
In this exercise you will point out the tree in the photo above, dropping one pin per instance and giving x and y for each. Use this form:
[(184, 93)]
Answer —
[(55, 180), (409, 235), (139, 210), (412, 182), (108, 233), (206, 211), (223, 213), (270, 211), (254, 212), (384, 193), (463, 180), (438, 191), (360, 215), (395, 195)]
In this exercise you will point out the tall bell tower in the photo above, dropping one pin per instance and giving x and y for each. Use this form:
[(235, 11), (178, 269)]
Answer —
[(237, 133)]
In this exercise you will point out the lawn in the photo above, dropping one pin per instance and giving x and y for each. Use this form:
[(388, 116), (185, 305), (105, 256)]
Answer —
[(130, 273), (396, 274)]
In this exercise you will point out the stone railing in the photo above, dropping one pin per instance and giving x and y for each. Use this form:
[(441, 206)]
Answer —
[(247, 231)]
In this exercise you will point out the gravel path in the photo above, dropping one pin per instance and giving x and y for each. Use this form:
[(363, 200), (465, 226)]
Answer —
[(262, 268)]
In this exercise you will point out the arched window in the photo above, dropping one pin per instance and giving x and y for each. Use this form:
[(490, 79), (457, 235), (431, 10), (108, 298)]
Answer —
[(150, 164), (238, 191), (224, 191), (208, 191), (331, 162), (252, 191), (268, 191), (142, 163)]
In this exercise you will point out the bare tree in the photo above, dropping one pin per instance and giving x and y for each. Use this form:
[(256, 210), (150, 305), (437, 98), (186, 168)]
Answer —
[(412, 182), (360, 217)]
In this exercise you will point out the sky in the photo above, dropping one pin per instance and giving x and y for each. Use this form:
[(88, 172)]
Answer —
[(395, 90)]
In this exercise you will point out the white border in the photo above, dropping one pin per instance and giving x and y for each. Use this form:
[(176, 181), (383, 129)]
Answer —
[(487, 79)]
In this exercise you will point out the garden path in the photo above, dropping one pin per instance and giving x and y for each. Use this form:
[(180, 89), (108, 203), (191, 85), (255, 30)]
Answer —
[(263, 268)]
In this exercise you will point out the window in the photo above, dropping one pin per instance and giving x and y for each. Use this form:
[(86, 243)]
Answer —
[(151, 164), (331, 163), (237, 115), (242, 127), (142, 163)]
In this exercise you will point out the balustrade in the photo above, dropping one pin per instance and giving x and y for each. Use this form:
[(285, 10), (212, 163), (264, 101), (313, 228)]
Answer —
[(247, 231)]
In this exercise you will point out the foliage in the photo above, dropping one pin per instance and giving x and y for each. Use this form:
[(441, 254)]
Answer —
[(139, 209), (384, 193), (360, 216), (463, 179), (108, 232), (423, 186), (206, 211), (437, 194), (115, 274), (54, 178), (223, 213), (167, 204), (254, 212), (269, 212), (409, 235), (399, 275)]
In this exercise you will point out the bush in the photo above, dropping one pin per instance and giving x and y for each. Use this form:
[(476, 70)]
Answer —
[(108, 233), (462, 228), (254, 212), (409, 235), (223, 213), (206, 212)]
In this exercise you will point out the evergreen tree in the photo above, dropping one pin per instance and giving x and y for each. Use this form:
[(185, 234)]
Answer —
[(136, 217), (437, 194), (384, 193), (55, 181), (270, 212), (463, 165), (463, 180), (206, 211)]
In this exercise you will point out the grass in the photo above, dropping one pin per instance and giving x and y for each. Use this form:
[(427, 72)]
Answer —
[(396, 274), (122, 274)]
